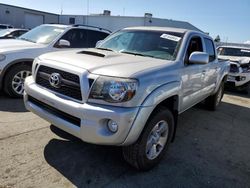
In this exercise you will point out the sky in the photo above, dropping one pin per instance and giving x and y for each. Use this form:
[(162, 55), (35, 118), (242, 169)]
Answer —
[(227, 18)]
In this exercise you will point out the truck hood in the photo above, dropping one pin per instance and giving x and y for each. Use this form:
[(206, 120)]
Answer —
[(11, 45), (106, 62), (240, 60)]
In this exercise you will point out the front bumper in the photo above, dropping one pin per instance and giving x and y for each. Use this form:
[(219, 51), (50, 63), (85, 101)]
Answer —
[(238, 80), (93, 118)]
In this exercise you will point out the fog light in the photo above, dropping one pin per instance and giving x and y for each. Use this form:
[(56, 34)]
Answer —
[(112, 126), (243, 78)]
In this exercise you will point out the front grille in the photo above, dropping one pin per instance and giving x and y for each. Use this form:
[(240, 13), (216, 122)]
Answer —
[(67, 117), (234, 68), (70, 83)]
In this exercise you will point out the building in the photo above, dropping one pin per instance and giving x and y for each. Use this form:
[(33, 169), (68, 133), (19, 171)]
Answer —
[(28, 18), (113, 23), (25, 18)]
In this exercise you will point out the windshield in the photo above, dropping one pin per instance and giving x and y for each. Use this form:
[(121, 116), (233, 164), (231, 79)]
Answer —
[(4, 32), (240, 52), (156, 44), (43, 34)]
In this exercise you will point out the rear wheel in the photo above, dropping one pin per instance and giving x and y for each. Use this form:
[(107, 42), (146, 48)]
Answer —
[(213, 101), (153, 142), (14, 80)]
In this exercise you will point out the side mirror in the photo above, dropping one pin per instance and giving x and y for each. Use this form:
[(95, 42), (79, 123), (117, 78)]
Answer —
[(63, 43), (98, 43), (198, 58)]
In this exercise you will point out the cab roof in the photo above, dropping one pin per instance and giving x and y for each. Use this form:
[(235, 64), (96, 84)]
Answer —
[(81, 26), (155, 28)]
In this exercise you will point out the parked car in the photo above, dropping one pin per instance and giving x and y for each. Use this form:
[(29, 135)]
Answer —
[(11, 33), (5, 26), (17, 55), (239, 75), (129, 90)]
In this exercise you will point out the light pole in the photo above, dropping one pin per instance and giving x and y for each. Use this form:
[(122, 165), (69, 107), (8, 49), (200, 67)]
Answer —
[(87, 12)]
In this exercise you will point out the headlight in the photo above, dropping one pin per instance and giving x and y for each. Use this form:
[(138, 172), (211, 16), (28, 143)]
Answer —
[(2, 57), (35, 65), (114, 90)]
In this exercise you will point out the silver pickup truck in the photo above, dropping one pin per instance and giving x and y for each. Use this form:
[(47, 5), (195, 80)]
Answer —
[(129, 90)]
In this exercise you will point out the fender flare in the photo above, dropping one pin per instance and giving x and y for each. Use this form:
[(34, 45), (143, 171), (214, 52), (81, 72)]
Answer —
[(221, 79), (148, 106)]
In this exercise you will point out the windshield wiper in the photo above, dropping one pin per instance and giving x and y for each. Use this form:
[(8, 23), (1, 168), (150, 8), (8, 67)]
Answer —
[(107, 49), (27, 40), (135, 53)]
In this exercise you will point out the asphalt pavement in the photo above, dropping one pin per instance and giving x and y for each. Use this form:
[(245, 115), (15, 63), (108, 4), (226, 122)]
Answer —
[(211, 149)]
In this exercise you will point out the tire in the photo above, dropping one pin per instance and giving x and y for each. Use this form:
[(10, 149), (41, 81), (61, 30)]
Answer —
[(14, 80), (213, 101), (139, 155)]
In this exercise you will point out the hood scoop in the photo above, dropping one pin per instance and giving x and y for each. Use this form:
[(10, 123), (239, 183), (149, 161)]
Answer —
[(92, 53)]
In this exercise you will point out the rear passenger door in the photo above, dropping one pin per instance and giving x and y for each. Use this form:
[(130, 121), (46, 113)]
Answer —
[(76, 37), (212, 68)]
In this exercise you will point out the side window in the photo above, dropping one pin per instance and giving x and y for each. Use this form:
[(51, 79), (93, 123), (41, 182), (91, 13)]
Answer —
[(210, 49), (15, 34), (93, 37), (76, 37), (195, 45)]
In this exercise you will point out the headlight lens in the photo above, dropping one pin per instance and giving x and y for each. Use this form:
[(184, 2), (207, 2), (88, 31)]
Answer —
[(2, 57), (34, 65), (114, 90)]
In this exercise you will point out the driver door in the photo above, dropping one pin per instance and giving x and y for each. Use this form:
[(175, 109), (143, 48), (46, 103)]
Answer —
[(193, 76)]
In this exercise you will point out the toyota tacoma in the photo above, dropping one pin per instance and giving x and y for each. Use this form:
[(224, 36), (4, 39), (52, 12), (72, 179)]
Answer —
[(129, 90)]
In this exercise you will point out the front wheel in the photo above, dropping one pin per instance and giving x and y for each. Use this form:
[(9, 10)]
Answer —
[(14, 80), (213, 101), (153, 142)]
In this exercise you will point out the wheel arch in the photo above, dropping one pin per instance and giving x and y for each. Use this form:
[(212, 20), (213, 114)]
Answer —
[(223, 79), (166, 96), (172, 103), (26, 61)]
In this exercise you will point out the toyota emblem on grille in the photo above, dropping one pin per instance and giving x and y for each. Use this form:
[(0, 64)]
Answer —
[(55, 80)]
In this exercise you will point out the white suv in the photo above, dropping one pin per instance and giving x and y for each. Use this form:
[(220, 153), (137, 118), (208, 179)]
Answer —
[(17, 55)]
